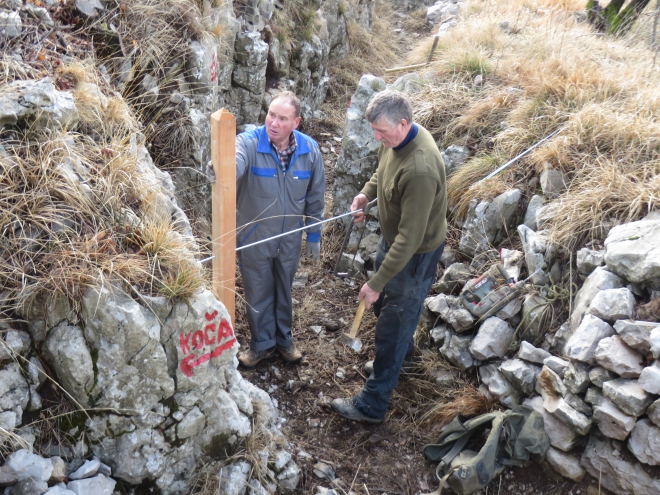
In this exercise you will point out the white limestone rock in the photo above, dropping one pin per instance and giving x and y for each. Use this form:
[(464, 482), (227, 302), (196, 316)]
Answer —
[(451, 310), (613, 304), (521, 374), (529, 353), (532, 209), (487, 222), (653, 412), (631, 251), (66, 350), (594, 396), (602, 459), (628, 396), (576, 377), (98, 485), (565, 464), (612, 421), (550, 385), (234, 478), (637, 334), (644, 442), (30, 466), (588, 260), (87, 470), (456, 350), (556, 364), (499, 386), (613, 354), (561, 436), (492, 340), (599, 375), (584, 341), (655, 342), (649, 380), (600, 279), (568, 415)]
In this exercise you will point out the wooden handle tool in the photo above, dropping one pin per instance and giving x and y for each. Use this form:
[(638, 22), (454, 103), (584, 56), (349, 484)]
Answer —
[(357, 320)]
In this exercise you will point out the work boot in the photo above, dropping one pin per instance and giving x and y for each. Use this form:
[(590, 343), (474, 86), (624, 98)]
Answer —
[(348, 409), (251, 358), (290, 354)]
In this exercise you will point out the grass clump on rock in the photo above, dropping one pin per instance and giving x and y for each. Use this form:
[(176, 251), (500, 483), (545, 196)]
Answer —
[(542, 70)]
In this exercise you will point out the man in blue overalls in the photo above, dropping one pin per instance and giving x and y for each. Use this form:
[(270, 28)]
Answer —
[(279, 185)]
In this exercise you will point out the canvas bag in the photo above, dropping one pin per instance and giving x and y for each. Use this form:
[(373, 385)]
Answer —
[(515, 437)]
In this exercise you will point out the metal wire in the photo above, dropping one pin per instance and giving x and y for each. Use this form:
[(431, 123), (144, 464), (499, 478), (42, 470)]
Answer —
[(293, 231)]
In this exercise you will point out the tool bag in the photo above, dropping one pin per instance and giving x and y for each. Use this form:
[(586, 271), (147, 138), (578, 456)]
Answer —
[(515, 437)]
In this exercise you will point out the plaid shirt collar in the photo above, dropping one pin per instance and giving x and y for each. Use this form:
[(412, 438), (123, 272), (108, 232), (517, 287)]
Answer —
[(284, 156)]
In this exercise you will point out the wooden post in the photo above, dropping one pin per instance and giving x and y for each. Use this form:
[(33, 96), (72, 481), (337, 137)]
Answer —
[(223, 208)]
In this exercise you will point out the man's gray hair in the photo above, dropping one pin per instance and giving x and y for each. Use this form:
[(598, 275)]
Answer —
[(291, 98), (391, 106)]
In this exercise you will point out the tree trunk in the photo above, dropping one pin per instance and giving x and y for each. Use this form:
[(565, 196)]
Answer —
[(613, 18)]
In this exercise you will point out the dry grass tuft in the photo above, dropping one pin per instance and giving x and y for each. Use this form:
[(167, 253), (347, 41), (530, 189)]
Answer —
[(465, 401), (71, 208), (375, 47), (547, 71)]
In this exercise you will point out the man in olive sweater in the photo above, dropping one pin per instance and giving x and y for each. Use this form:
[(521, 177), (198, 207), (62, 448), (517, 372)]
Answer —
[(412, 206)]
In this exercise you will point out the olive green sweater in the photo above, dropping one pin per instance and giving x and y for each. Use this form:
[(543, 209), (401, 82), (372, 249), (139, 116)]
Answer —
[(412, 203)]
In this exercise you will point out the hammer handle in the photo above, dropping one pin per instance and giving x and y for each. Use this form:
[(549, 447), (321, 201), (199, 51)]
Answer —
[(358, 319)]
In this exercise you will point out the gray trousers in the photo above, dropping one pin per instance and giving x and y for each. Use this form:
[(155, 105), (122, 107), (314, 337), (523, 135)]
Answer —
[(267, 283)]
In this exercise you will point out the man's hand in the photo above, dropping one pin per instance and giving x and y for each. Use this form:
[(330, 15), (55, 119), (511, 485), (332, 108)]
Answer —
[(369, 295), (359, 203), (313, 249)]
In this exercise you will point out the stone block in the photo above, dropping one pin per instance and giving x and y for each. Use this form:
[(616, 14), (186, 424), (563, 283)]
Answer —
[(613, 354), (628, 396), (644, 442), (612, 421), (582, 345), (566, 465), (492, 339), (613, 304), (521, 374)]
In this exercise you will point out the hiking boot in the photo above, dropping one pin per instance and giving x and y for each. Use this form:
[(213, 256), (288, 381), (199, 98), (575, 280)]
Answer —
[(348, 409), (290, 354), (251, 358)]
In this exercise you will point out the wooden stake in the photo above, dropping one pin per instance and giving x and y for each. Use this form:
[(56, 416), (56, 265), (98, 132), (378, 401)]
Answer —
[(223, 208)]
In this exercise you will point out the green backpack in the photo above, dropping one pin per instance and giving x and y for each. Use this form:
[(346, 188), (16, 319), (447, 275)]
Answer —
[(515, 436)]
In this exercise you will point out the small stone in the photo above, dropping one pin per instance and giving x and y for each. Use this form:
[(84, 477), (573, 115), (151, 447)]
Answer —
[(594, 396), (316, 329), (330, 325), (612, 421), (599, 375), (560, 435), (87, 470), (59, 470), (528, 352), (28, 465), (553, 182), (98, 485), (324, 470), (613, 304), (584, 341), (649, 380), (565, 464), (492, 339), (11, 25), (614, 355), (532, 209), (456, 351), (498, 385), (521, 374), (576, 377), (556, 364), (628, 396), (8, 476), (455, 276), (644, 442), (653, 412), (578, 404), (437, 334), (637, 334), (550, 385), (588, 260), (569, 416)]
